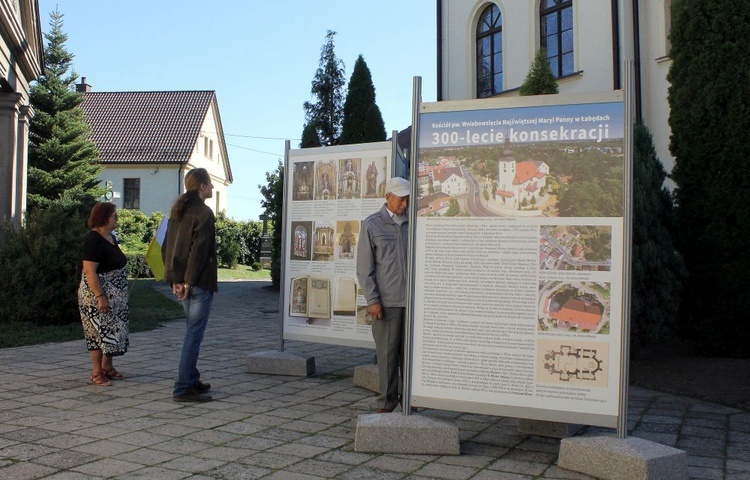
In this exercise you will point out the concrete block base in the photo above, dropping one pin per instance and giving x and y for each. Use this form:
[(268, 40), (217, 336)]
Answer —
[(280, 363), (629, 458), (409, 434), (548, 429), (366, 376)]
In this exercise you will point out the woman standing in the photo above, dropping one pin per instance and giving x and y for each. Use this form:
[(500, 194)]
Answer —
[(103, 295), (189, 253)]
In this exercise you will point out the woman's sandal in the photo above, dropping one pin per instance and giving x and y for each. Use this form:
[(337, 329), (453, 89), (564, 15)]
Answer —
[(100, 380), (113, 374)]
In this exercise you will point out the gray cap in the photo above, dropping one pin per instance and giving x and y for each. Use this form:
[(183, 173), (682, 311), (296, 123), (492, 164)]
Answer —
[(398, 186)]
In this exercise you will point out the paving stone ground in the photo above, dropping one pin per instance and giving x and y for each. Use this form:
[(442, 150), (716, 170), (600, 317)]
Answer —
[(53, 425)]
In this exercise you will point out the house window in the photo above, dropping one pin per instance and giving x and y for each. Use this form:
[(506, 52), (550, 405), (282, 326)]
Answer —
[(208, 147), (556, 17), (489, 53), (132, 193)]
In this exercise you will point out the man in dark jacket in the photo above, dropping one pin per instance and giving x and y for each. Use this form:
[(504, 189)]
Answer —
[(189, 253)]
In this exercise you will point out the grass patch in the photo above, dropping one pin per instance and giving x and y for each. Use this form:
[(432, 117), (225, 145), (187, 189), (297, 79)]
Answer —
[(148, 310), (243, 272), (17, 334)]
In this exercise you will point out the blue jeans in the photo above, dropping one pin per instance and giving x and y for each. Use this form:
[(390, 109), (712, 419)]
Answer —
[(197, 307)]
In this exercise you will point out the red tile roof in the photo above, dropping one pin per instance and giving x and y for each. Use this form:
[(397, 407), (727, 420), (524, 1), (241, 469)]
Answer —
[(147, 127), (441, 175), (577, 312), (525, 171)]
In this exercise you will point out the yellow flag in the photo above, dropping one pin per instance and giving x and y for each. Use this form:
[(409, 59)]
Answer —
[(154, 260), (153, 254)]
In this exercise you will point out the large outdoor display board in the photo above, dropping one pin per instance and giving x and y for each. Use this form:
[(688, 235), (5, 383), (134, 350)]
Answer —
[(329, 191), (518, 263)]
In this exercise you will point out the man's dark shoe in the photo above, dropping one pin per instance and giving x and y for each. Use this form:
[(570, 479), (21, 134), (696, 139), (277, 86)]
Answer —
[(192, 396), (201, 387)]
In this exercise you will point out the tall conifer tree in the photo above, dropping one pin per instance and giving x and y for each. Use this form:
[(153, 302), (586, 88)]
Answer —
[(63, 161), (539, 80), (327, 111), (309, 137), (709, 99), (658, 270), (362, 119)]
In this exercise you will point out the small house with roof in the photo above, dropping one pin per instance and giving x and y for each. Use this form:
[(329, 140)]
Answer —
[(437, 203), (450, 181), (148, 141)]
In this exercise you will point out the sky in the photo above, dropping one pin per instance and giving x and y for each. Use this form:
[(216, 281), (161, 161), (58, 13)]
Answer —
[(259, 56)]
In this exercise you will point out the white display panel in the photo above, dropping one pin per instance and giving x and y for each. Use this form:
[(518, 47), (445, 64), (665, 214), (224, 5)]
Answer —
[(519, 257), (330, 191)]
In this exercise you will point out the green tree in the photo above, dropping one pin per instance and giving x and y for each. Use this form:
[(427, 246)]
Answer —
[(327, 111), (362, 119), (601, 198), (658, 269), (453, 208), (539, 80), (273, 202), (309, 137), (709, 99), (62, 158)]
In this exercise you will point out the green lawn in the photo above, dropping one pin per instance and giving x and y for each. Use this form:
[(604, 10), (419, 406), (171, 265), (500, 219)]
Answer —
[(148, 310), (243, 272)]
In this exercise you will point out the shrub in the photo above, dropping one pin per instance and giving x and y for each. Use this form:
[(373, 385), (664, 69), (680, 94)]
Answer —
[(132, 228), (153, 225), (256, 266), (41, 265), (276, 272), (229, 254), (137, 266), (250, 237), (236, 241)]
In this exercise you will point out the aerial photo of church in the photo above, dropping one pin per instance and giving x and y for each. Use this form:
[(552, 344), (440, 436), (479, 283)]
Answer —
[(519, 181)]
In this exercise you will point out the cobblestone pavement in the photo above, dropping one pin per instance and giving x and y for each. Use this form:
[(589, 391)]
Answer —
[(54, 425)]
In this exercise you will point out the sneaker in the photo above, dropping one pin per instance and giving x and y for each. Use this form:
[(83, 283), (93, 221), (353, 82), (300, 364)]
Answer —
[(201, 387), (192, 396)]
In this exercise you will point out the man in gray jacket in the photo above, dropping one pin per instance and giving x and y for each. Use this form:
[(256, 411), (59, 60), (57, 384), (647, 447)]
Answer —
[(381, 271)]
